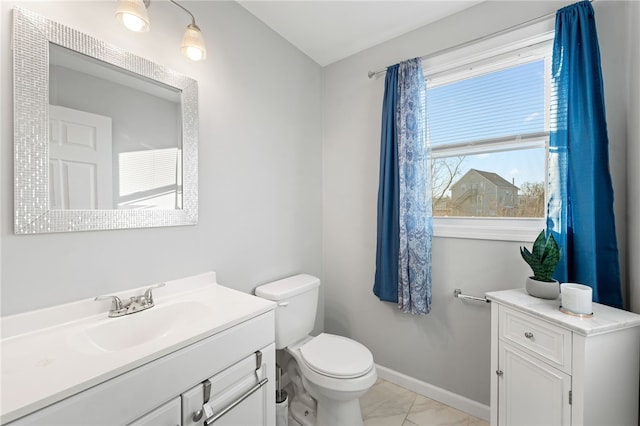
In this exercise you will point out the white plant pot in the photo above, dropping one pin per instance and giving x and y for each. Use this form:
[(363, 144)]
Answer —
[(543, 289)]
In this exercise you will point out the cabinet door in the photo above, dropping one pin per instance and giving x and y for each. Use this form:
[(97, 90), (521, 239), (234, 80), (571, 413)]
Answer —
[(239, 395), (530, 392), (165, 415)]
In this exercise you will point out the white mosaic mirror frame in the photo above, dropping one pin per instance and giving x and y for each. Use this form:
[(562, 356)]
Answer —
[(32, 34)]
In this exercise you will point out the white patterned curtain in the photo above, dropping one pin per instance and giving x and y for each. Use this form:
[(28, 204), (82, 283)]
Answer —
[(416, 226)]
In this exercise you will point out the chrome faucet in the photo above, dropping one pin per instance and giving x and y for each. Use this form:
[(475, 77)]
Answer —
[(135, 303)]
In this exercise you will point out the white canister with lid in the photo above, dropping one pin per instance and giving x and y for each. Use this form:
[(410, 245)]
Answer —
[(576, 298)]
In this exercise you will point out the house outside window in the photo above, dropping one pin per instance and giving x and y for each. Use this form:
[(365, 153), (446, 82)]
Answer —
[(489, 195)]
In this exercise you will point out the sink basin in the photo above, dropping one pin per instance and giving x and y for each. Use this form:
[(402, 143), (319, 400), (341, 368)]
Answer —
[(116, 334)]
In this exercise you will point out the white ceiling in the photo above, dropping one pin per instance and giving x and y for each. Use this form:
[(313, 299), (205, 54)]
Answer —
[(330, 30)]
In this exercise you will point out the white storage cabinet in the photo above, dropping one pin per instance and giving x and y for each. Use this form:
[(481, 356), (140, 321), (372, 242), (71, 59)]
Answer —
[(549, 368)]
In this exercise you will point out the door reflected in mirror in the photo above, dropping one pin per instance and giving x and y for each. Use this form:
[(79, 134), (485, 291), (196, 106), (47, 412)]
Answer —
[(115, 137)]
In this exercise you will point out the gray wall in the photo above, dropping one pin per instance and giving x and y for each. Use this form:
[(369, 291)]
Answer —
[(259, 164), (633, 155), (616, 36), (448, 348)]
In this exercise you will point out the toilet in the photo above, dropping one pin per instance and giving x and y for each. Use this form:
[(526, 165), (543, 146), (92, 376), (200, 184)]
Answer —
[(334, 370)]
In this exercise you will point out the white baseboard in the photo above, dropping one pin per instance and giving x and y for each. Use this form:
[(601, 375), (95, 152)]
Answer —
[(430, 391)]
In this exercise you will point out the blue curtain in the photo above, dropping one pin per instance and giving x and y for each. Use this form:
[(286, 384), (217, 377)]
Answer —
[(386, 279), (580, 211), (403, 257)]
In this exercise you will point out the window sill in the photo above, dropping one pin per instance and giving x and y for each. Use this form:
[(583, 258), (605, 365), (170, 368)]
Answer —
[(498, 229)]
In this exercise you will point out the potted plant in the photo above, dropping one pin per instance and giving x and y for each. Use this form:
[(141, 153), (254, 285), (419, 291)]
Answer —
[(543, 260)]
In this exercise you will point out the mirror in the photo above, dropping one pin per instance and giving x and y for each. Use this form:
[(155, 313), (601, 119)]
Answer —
[(103, 139), (115, 138)]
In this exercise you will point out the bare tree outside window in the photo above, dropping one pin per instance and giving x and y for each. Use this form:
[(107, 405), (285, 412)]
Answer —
[(444, 172), (531, 201)]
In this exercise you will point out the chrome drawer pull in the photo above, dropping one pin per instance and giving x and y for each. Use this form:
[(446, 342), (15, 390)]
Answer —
[(231, 406), (528, 335), (206, 387)]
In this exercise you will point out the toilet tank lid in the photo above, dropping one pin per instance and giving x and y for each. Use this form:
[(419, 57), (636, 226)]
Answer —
[(287, 287)]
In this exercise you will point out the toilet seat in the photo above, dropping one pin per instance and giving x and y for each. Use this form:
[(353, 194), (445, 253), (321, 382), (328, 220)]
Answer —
[(336, 356)]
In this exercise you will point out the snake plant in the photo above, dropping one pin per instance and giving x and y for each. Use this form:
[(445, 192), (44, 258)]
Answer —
[(543, 258)]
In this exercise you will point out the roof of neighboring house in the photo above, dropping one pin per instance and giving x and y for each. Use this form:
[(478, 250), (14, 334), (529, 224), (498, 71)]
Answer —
[(494, 178)]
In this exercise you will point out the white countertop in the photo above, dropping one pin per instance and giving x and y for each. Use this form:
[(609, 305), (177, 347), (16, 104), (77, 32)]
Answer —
[(605, 318), (45, 358)]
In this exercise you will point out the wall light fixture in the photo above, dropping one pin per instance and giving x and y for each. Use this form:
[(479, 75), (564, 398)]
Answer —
[(133, 15), (192, 41)]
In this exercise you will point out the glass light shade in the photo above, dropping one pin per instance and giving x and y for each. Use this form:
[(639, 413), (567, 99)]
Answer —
[(193, 46), (133, 15)]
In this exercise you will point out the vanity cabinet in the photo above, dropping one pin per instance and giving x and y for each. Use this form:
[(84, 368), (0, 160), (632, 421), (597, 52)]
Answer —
[(167, 390), (549, 368)]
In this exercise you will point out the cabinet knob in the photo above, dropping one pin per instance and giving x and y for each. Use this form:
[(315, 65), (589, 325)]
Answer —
[(499, 373), (528, 335)]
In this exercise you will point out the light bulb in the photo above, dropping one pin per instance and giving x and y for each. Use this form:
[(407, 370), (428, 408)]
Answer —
[(194, 53), (132, 22)]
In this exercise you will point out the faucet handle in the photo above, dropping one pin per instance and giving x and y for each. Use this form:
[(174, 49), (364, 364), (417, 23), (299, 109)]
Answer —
[(115, 306), (148, 295)]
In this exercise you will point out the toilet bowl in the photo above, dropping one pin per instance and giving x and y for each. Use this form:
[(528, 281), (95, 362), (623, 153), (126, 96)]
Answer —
[(335, 371)]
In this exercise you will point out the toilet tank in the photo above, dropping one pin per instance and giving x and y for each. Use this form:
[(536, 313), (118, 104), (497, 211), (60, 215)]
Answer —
[(297, 299)]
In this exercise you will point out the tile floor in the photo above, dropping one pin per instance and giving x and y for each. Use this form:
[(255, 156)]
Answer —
[(387, 404)]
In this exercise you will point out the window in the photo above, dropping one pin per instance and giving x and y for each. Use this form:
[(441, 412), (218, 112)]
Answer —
[(488, 126), (150, 179)]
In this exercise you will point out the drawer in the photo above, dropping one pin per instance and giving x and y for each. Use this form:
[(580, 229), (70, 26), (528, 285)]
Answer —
[(545, 341)]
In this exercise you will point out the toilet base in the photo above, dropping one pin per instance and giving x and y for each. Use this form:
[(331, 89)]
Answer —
[(329, 412), (338, 413), (302, 408), (336, 402), (301, 414)]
